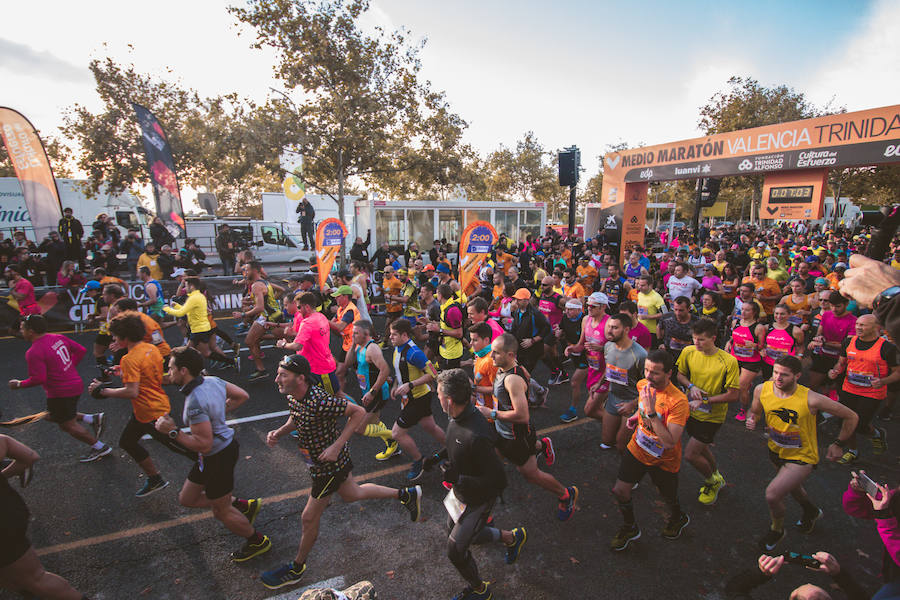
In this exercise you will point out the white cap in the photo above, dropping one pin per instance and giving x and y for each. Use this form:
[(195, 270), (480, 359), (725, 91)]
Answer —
[(573, 304), (178, 272), (598, 298)]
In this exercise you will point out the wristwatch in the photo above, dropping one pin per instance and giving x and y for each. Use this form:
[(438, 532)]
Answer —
[(886, 295), (493, 415), (174, 433)]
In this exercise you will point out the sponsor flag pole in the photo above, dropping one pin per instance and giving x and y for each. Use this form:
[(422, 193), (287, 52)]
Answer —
[(330, 236), (161, 166), (474, 246), (33, 170)]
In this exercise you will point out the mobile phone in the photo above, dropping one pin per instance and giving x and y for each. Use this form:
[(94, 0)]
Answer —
[(801, 559), (869, 486)]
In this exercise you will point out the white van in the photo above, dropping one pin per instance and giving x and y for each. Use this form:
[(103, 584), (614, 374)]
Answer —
[(269, 241)]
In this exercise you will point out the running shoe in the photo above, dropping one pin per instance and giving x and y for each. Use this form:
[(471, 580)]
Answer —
[(151, 485), (771, 539), (879, 444), (241, 328), (237, 356), (549, 453), (286, 574), (570, 415), (393, 449), (95, 454), (606, 446), (626, 535), (513, 550), (741, 415), (567, 507), (411, 498), (415, 470), (253, 506), (808, 521), (674, 526), (562, 377), (255, 375), (98, 421), (26, 476), (469, 593), (849, 457), (710, 491), (248, 550), (295, 434)]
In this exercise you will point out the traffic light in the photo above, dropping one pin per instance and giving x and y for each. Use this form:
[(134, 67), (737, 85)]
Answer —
[(710, 192), (568, 167)]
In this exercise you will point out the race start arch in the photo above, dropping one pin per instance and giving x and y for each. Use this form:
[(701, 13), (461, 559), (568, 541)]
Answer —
[(794, 157)]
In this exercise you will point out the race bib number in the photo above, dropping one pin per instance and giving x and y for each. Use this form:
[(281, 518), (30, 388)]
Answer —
[(774, 354), (454, 507), (613, 297), (642, 311), (361, 379), (157, 338), (859, 379), (616, 374), (795, 320), (676, 344), (727, 288), (744, 351), (631, 281), (307, 458), (650, 444), (593, 361), (784, 439)]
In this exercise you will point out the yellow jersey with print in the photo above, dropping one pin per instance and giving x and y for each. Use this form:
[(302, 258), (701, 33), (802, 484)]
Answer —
[(789, 424), (714, 375)]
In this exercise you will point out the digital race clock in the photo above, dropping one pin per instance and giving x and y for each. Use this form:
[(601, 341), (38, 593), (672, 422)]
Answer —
[(795, 194)]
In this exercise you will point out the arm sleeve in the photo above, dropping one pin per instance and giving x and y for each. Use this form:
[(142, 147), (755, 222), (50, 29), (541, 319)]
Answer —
[(76, 350), (194, 412), (37, 370), (347, 318), (492, 474), (890, 536), (177, 309), (856, 504), (732, 375), (417, 358), (889, 354), (681, 363), (888, 314)]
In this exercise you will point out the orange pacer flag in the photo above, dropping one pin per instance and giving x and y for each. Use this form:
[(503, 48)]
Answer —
[(476, 243), (330, 236)]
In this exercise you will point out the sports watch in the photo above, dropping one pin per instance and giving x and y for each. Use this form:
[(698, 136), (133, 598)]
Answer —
[(886, 295), (174, 433)]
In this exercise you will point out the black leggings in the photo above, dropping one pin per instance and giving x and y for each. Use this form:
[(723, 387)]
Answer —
[(470, 529), (130, 440), (225, 337)]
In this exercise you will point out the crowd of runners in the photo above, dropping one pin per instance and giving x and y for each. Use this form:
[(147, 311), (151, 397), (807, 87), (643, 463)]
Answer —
[(659, 344)]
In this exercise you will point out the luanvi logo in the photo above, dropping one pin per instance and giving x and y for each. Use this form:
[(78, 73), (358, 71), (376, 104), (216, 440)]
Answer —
[(745, 165), (613, 161), (892, 150)]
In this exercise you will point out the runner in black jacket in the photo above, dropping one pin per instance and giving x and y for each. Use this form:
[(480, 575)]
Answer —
[(477, 476)]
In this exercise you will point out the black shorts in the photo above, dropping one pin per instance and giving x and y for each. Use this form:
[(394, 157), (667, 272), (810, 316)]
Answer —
[(445, 364), (14, 525), (702, 431), (325, 485), (415, 410), (519, 449), (579, 361), (631, 470), (217, 473), (751, 366), (103, 339), (201, 337), (822, 363), (62, 409), (766, 369), (863, 406), (780, 462)]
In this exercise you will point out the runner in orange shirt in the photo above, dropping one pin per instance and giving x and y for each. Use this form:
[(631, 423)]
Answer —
[(655, 448)]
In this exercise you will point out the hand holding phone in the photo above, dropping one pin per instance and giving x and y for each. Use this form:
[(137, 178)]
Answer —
[(801, 559)]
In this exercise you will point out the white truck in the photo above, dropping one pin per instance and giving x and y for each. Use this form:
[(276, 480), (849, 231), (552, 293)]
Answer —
[(125, 208)]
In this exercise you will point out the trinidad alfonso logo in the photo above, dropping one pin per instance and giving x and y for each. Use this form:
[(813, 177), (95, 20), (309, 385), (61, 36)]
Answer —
[(745, 165)]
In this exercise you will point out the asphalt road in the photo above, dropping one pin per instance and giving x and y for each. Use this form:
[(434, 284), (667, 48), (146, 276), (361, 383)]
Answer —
[(88, 526)]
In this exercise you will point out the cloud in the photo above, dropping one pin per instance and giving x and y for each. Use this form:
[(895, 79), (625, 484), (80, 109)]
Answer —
[(864, 73), (22, 59)]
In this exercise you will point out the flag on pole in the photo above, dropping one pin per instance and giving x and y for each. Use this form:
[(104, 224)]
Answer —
[(162, 172), (27, 154)]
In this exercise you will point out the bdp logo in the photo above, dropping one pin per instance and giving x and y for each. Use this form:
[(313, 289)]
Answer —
[(745, 165), (634, 219)]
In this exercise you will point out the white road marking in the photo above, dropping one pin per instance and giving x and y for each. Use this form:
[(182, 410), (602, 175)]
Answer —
[(334, 583), (271, 415)]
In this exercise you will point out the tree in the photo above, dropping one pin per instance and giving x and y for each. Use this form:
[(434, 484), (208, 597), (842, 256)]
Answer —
[(746, 104), (365, 112), (57, 153)]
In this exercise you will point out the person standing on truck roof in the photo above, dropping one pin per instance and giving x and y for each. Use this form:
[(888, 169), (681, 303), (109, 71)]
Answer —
[(307, 216), (71, 231)]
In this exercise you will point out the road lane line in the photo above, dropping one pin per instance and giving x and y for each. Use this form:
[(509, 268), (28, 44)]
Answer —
[(194, 518), (262, 417)]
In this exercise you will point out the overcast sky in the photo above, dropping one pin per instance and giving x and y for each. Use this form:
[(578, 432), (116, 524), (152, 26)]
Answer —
[(589, 73)]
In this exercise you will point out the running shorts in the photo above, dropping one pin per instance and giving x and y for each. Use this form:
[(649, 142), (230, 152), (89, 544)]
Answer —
[(62, 409), (216, 473), (415, 410)]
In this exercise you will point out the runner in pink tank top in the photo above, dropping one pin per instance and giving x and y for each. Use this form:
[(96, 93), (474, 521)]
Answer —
[(746, 337), (782, 339)]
